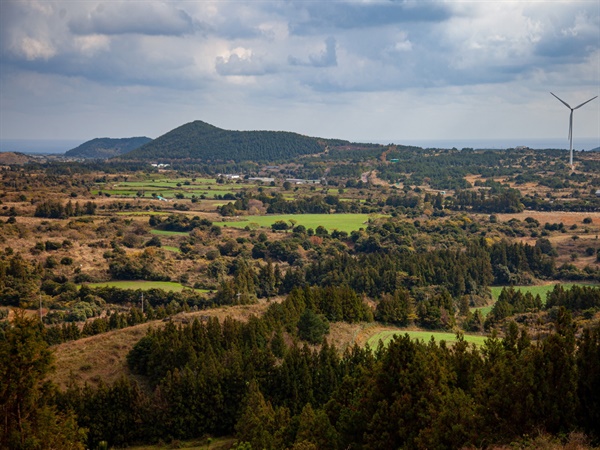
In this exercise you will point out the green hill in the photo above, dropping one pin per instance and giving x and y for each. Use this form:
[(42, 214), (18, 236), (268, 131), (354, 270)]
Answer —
[(201, 141), (107, 147)]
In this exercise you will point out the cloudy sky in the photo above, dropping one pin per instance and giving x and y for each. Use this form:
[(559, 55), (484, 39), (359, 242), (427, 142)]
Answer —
[(353, 69)]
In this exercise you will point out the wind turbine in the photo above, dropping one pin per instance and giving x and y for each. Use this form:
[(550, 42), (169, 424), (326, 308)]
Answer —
[(571, 125)]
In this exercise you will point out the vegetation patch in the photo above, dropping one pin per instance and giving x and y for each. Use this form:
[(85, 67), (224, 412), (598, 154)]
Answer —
[(387, 335), (340, 222), (541, 290), (170, 286), (169, 233)]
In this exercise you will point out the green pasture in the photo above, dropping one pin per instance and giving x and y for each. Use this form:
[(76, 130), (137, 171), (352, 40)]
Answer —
[(541, 290), (170, 248), (169, 233), (450, 338), (170, 286), (483, 310), (142, 213), (340, 222)]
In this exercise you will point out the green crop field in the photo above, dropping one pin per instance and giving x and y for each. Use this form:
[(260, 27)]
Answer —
[(340, 222), (144, 285), (387, 335)]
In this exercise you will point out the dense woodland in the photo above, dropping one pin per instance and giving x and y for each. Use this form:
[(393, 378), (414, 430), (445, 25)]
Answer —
[(441, 228)]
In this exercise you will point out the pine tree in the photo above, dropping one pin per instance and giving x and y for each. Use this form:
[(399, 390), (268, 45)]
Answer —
[(30, 420)]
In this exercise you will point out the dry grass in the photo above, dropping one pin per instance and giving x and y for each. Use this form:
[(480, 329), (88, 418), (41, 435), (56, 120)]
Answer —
[(575, 441), (568, 218), (102, 358)]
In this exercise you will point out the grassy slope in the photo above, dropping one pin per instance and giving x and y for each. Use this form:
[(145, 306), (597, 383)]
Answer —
[(387, 335), (542, 290), (102, 357), (169, 286)]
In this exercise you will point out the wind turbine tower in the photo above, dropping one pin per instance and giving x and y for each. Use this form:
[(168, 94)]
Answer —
[(571, 125)]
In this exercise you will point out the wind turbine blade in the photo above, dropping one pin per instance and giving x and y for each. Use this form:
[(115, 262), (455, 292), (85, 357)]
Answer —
[(562, 101), (585, 102)]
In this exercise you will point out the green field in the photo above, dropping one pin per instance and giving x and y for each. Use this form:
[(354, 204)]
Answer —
[(143, 213), (387, 335), (535, 290), (340, 222), (168, 188), (541, 290), (170, 248), (169, 233), (144, 285)]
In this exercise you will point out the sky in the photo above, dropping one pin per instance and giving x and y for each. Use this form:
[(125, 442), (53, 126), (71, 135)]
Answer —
[(361, 70)]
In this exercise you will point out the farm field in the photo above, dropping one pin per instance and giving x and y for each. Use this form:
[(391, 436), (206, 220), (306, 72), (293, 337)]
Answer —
[(387, 335), (542, 290), (170, 286), (169, 233), (340, 222), (168, 188)]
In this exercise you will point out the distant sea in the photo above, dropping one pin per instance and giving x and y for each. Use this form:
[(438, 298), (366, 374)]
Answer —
[(41, 146), (498, 144), (38, 146)]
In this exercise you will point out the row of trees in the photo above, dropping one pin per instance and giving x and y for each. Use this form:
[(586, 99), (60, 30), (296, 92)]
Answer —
[(55, 209)]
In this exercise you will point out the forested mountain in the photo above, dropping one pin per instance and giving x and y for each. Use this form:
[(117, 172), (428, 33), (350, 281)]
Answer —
[(107, 147), (202, 141)]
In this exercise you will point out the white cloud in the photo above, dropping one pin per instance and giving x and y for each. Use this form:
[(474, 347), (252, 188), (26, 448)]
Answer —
[(297, 63), (32, 49)]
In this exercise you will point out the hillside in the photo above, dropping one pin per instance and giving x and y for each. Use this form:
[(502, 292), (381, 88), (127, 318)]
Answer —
[(15, 158), (101, 148), (202, 141)]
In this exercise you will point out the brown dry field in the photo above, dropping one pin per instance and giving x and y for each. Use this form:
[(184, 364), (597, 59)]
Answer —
[(566, 217), (101, 358)]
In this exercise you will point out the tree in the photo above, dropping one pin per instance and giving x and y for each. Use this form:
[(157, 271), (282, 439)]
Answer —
[(31, 421), (312, 327)]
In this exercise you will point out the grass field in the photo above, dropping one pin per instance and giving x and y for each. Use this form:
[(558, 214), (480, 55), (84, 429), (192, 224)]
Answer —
[(340, 222), (541, 290), (535, 290), (169, 233), (143, 213), (204, 444), (145, 285), (387, 335), (170, 248)]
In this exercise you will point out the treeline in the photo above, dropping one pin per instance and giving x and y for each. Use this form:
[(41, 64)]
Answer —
[(278, 204), (505, 201), (232, 378), (54, 209), (434, 283)]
